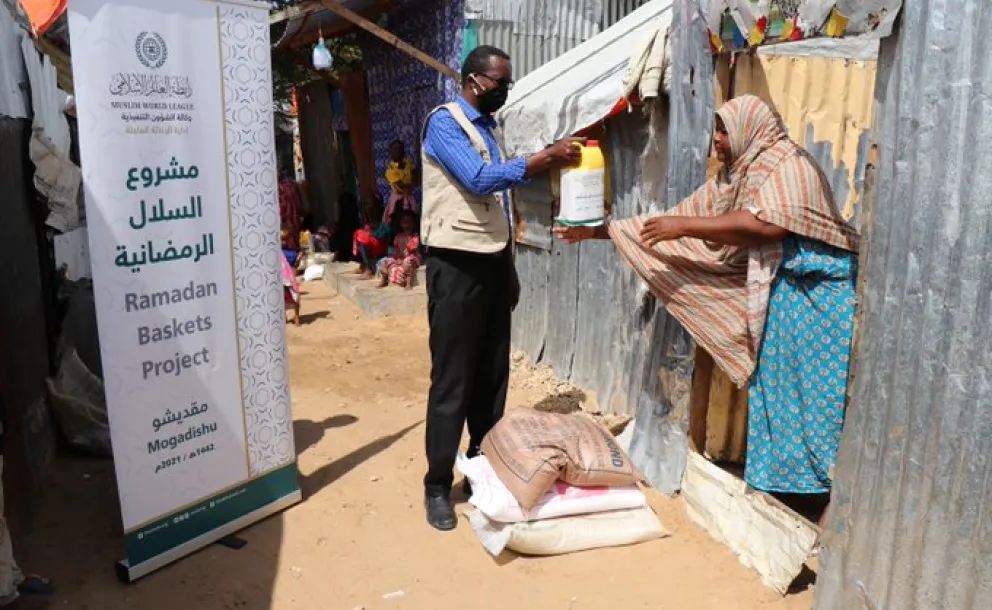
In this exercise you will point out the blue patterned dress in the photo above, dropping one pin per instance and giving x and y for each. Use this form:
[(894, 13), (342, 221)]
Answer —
[(797, 394)]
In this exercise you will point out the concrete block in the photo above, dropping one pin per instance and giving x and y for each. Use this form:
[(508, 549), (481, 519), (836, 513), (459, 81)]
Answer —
[(377, 302)]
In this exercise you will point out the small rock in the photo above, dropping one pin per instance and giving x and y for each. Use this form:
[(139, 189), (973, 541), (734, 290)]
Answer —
[(374, 479), (296, 572), (394, 595)]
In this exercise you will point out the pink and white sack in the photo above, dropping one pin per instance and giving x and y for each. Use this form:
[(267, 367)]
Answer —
[(492, 498)]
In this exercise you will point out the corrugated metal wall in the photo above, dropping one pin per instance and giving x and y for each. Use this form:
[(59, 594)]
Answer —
[(534, 32), (911, 523), (826, 103), (584, 312)]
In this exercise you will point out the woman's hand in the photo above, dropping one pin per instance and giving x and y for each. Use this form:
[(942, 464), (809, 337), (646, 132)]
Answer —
[(659, 229), (573, 235)]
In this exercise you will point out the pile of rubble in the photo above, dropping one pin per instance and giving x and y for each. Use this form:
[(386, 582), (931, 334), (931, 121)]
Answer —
[(561, 397)]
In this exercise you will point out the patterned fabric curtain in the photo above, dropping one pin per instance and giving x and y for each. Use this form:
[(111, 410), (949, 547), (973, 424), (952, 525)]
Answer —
[(402, 90)]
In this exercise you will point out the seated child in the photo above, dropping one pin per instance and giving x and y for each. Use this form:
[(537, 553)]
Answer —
[(371, 241), (400, 268)]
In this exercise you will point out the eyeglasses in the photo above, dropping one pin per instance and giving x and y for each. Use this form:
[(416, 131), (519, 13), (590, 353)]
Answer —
[(501, 82)]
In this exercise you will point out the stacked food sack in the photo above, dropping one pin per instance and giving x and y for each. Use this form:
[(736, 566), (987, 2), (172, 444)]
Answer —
[(548, 484)]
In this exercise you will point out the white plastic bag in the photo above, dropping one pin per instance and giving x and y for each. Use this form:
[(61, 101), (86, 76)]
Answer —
[(491, 496), (313, 273), (322, 59), (568, 534)]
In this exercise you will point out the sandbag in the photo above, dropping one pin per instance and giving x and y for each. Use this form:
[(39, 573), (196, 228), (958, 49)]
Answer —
[(491, 496), (530, 450), (568, 534)]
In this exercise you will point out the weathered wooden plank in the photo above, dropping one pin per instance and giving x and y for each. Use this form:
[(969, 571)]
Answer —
[(766, 537)]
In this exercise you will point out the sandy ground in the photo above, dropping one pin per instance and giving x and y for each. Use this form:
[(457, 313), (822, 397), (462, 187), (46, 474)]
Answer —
[(359, 539)]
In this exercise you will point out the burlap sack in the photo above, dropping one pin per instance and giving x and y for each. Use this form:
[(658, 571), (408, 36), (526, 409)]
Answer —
[(530, 450)]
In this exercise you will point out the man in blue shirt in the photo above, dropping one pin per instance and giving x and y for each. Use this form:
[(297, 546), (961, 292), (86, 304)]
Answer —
[(472, 284)]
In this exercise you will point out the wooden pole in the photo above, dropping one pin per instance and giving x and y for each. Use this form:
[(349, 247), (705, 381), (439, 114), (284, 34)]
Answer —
[(303, 8), (385, 36)]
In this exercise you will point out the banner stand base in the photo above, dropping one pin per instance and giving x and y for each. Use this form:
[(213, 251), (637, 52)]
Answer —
[(123, 571), (232, 542), (128, 573)]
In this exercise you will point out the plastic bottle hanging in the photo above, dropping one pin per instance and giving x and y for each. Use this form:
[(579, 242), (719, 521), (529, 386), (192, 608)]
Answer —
[(322, 58)]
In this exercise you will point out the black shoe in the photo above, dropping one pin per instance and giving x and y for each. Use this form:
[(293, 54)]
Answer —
[(440, 513)]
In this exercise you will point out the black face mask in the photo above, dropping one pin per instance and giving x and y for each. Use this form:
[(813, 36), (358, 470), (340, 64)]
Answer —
[(492, 100)]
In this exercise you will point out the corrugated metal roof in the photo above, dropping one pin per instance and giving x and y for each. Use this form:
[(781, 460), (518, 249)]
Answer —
[(534, 32), (911, 521)]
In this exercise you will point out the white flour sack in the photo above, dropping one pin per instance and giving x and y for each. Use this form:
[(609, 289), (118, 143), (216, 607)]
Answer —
[(495, 501), (568, 534)]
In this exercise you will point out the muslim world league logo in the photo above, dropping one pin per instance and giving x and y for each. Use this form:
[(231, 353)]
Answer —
[(151, 50)]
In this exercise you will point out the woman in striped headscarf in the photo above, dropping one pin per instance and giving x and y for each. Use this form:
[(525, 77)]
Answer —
[(759, 267)]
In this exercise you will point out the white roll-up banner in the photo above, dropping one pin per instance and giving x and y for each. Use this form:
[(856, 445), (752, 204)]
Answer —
[(174, 102)]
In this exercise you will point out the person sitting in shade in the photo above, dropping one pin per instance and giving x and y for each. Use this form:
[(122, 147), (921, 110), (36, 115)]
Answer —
[(400, 268)]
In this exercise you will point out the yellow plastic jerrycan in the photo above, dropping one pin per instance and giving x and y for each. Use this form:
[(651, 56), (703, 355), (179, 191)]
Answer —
[(583, 189)]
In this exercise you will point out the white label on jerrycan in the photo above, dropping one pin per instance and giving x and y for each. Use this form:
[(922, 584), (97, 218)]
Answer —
[(582, 196)]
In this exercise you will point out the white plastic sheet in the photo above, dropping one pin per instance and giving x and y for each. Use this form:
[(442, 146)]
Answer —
[(581, 87)]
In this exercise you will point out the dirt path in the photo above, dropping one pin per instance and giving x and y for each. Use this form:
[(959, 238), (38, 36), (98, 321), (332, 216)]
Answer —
[(359, 540)]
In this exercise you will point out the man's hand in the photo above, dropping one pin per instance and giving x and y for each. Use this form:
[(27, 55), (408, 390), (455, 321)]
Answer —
[(567, 152), (563, 153), (659, 229)]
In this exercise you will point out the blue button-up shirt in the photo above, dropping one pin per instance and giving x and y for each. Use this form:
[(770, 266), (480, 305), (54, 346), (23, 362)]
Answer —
[(447, 143)]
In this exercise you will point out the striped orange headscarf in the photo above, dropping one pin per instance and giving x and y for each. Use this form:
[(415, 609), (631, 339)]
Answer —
[(720, 293)]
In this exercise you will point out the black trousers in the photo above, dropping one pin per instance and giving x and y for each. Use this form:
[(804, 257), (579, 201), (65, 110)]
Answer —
[(468, 308)]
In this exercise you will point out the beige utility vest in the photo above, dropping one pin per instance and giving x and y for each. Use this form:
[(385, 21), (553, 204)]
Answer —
[(452, 217)]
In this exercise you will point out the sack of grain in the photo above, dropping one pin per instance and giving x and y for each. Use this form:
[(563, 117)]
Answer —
[(568, 534), (530, 450), (491, 496)]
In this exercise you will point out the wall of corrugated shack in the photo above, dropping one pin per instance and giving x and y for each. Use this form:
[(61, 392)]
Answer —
[(911, 522), (583, 311)]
